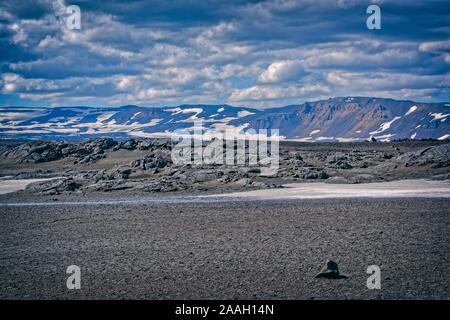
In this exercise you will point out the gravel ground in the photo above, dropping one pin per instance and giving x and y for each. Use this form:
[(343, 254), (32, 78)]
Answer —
[(227, 250)]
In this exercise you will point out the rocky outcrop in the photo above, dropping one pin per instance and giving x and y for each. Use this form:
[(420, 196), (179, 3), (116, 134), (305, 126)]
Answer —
[(149, 166), (46, 151), (436, 156), (145, 144), (35, 152), (54, 186), (152, 161)]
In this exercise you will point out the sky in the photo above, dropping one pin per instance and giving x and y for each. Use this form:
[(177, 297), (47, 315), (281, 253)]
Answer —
[(245, 53)]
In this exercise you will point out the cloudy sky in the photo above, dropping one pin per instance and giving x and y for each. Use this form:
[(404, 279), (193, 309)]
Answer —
[(246, 53)]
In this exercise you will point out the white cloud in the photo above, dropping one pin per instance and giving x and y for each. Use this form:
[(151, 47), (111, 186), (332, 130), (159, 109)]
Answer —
[(282, 71), (337, 79), (431, 46), (125, 82), (274, 93), (256, 55)]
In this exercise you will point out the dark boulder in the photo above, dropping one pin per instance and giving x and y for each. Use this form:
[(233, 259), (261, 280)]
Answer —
[(330, 271)]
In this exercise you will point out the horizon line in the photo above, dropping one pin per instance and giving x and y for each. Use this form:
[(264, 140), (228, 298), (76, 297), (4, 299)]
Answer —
[(222, 104)]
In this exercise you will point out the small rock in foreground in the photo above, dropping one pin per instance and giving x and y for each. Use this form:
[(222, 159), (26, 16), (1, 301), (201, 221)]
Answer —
[(330, 271)]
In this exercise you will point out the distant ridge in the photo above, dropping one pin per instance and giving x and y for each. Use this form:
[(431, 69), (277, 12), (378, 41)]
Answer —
[(335, 119)]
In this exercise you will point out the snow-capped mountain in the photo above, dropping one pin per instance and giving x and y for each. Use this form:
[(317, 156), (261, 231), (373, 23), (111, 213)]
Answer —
[(335, 119), (356, 119), (133, 121)]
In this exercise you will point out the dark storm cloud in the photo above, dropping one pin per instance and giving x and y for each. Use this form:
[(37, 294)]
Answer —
[(261, 53)]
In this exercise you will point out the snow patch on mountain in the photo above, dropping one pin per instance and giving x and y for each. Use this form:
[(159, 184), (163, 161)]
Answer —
[(324, 138), (135, 115), (197, 111), (385, 138), (339, 119), (244, 113), (103, 117), (386, 125), (438, 116), (347, 139), (411, 110)]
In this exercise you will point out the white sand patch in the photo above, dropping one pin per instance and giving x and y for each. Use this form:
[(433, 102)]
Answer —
[(321, 190), (411, 110), (445, 137), (8, 186)]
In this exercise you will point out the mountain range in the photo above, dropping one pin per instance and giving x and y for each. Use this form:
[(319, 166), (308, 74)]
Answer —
[(335, 119)]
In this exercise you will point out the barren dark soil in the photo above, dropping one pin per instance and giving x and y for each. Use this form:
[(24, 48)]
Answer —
[(175, 246), (105, 165), (245, 249)]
